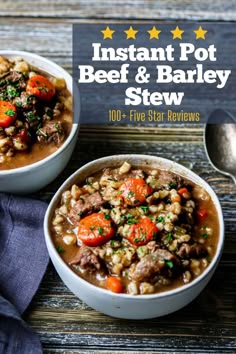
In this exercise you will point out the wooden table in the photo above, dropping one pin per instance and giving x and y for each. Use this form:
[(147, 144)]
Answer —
[(63, 322)]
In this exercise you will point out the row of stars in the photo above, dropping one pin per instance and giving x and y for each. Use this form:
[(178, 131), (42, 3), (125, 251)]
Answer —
[(154, 33)]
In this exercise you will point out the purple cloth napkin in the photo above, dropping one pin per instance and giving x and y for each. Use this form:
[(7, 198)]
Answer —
[(23, 262)]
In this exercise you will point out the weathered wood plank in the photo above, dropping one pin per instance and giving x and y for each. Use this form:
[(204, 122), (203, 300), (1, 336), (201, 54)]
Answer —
[(52, 40), (176, 10)]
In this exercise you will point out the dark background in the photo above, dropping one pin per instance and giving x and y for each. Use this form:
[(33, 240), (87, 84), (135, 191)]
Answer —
[(97, 99)]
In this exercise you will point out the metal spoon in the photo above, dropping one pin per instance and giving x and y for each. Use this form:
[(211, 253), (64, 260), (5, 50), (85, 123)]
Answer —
[(220, 142)]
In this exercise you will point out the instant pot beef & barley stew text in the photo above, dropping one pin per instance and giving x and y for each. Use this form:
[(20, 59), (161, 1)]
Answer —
[(35, 113), (136, 230)]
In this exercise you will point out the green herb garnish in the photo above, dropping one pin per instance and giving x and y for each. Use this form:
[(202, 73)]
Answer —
[(144, 208), (131, 221), (169, 237), (12, 92), (60, 249), (31, 116), (160, 219), (171, 185), (170, 264), (42, 133), (10, 112), (100, 230)]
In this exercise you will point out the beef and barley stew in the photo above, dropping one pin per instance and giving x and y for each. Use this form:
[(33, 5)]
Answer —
[(136, 230), (35, 113)]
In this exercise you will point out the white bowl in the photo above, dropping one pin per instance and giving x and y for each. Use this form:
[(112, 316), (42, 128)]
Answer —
[(33, 177), (124, 305)]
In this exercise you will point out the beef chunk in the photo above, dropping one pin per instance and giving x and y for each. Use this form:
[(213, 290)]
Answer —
[(189, 251), (153, 264), (88, 204), (14, 77), (86, 259), (51, 132), (25, 101), (170, 180)]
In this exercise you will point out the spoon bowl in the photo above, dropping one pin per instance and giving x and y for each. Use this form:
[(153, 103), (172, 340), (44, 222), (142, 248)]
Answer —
[(220, 142)]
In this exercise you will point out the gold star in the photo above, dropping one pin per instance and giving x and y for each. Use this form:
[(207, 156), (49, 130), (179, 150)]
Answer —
[(131, 33), (154, 33), (107, 33), (200, 33), (177, 33)]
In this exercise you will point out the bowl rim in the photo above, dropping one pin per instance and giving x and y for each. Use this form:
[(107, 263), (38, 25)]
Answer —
[(75, 126), (167, 293)]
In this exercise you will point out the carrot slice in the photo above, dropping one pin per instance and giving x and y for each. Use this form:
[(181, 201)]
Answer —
[(114, 284), (41, 87), (7, 114), (95, 230), (142, 232), (183, 190), (135, 191)]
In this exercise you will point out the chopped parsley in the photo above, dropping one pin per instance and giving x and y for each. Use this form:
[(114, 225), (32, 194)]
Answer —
[(43, 89), (169, 237), (171, 185), (80, 213), (130, 194), (29, 99), (107, 216), (42, 133), (10, 112), (205, 235), (92, 228), (131, 221), (161, 219), (12, 92), (60, 249), (144, 208), (100, 230), (31, 116), (170, 264)]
